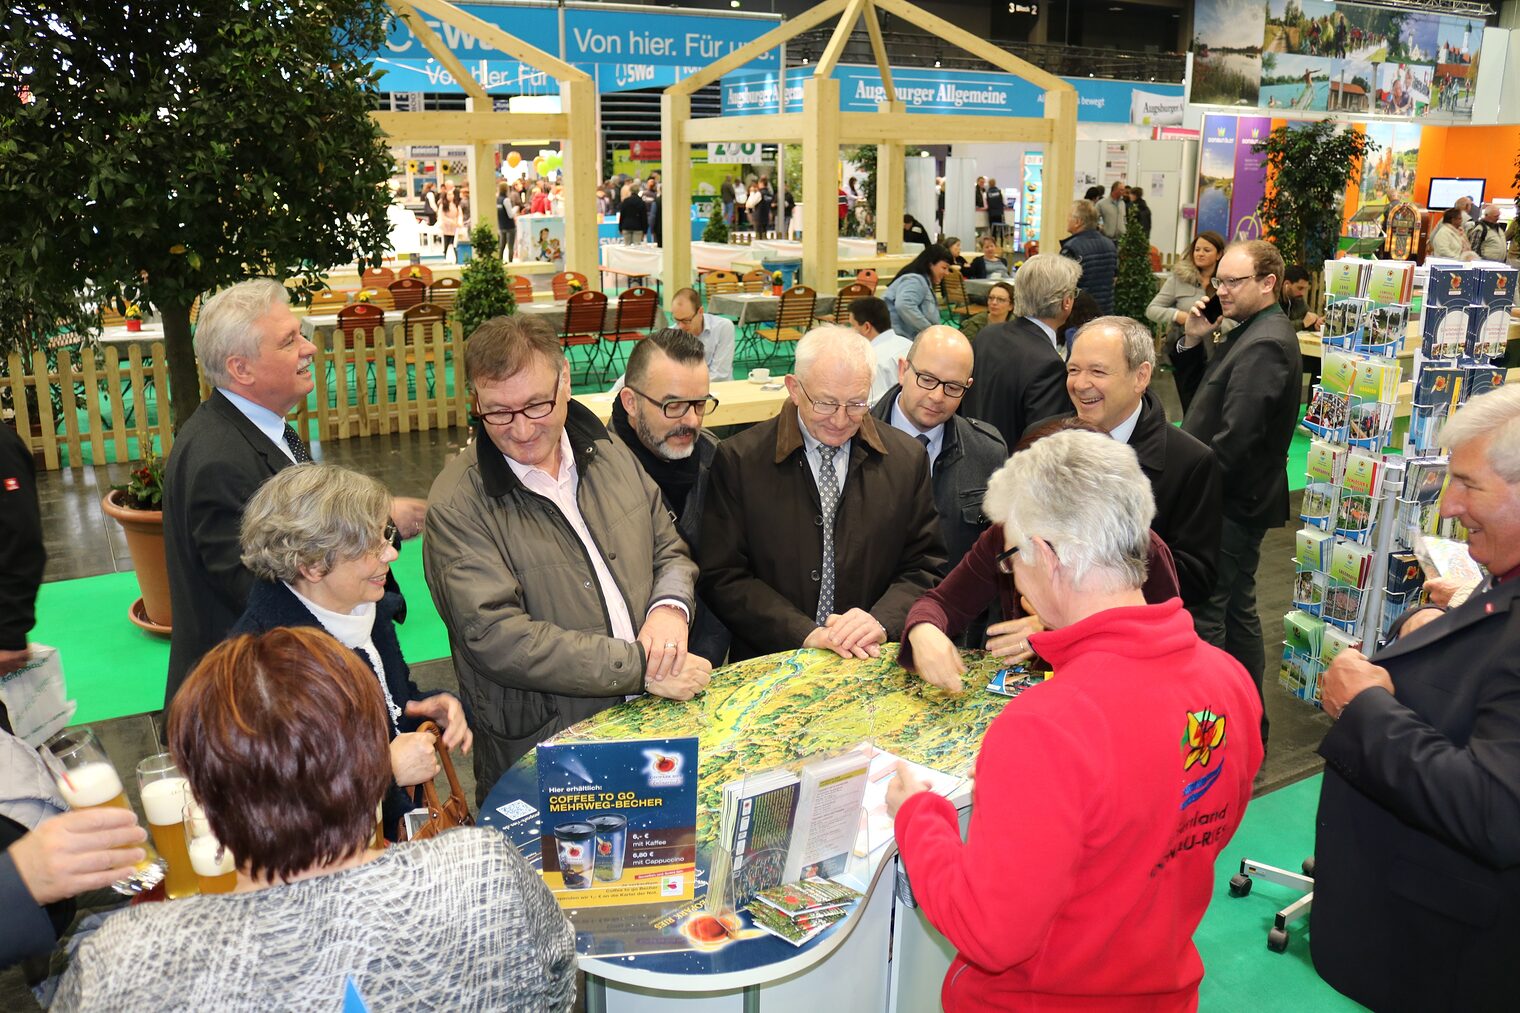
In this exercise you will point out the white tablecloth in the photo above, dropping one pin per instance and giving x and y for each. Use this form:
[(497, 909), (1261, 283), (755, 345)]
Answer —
[(554, 312), (645, 258), (757, 307), (117, 334), (717, 256)]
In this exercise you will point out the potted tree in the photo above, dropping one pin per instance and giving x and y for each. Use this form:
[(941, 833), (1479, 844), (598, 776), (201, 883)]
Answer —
[(137, 505), (483, 289)]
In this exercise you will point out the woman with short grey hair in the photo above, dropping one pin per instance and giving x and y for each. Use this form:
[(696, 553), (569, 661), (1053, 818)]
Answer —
[(320, 543)]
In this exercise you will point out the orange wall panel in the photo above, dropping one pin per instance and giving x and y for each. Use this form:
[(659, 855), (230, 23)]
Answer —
[(1487, 152)]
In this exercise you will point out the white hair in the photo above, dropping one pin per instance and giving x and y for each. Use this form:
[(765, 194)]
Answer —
[(833, 343), (1495, 413), (1044, 283), (1086, 214), (225, 326), (1085, 495), (1138, 343)]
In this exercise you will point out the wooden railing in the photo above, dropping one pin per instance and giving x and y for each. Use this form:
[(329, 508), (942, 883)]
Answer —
[(378, 382)]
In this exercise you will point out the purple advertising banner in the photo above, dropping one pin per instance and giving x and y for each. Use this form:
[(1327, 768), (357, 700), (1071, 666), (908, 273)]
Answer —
[(1216, 174), (1250, 177)]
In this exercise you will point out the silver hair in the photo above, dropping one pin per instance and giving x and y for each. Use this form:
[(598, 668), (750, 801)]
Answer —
[(1085, 495), (225, 326), (1495, 413), (833, 342), (313, 516), (1490, 207), (1138, 343), (1086, 214), (1044, 282)]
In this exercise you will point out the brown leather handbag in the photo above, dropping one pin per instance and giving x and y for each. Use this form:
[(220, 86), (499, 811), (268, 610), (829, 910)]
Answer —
[(455, 812)]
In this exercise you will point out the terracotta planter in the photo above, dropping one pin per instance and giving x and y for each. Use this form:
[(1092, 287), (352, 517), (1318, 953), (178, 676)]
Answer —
[(145, 540)]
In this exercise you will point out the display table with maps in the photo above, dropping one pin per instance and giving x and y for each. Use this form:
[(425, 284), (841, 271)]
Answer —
[(754, 716)]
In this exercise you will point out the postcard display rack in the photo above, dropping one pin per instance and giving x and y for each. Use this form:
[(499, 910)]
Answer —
[(1364, 510)]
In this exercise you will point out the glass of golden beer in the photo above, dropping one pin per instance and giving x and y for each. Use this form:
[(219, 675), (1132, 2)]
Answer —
[(164, 790), (87, 780), (213, 863)]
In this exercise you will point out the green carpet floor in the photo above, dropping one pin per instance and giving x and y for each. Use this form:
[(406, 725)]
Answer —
[(1240, 973), (114, 669)]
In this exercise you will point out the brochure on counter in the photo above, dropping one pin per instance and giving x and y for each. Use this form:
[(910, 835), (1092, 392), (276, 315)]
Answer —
[(619, 821)]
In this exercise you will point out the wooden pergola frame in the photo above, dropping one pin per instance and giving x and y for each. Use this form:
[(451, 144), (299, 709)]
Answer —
[(481, 128), (821, 128)]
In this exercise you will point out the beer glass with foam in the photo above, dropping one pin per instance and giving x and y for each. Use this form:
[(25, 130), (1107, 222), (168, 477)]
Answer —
[(87, 780), (164, 790), (214, 868)]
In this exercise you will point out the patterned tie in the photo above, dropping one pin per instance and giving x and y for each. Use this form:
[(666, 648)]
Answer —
[(828, 495), (297, 445)]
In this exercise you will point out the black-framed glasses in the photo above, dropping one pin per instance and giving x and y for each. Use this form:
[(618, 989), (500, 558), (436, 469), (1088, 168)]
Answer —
[(928, 381), (504, 417), (674, 408), (824, 409), (1230, 284), (1004, 560)]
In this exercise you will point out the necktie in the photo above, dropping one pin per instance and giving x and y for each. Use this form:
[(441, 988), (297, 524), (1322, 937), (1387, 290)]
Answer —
[(924, 441), (297, 445), (828, 496)]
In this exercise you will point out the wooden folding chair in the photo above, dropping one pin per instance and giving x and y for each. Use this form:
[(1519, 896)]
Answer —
[(560, 283), (955, 307), (848, 294), (417, 323), (794, 318), (377, 277), (328, 300), (408, 292), (366, 318), (421, 272), (757, 280), (585, 319), (720, 283), (522, 288), (636, 311), (443, 292), (381, 297)]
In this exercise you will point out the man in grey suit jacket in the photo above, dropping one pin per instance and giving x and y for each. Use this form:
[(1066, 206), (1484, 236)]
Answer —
[(1113, 212), (1246, 409), (252, 350), (1417, 855)]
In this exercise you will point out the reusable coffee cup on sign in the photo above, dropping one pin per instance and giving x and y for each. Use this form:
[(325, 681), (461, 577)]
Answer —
[(574, 845), (611, 843)]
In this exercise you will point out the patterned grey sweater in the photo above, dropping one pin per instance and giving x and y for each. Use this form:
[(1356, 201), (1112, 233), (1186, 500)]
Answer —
[(458, 922)]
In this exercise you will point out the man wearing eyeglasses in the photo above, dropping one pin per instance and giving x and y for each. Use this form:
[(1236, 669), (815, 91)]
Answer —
[(819, 528), (563, 582), (658, 415), (932, 380), (716, 333), (1246, 409)]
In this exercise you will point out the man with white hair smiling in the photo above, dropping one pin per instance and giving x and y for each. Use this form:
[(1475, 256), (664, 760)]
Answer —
[(1417, 856), (819, 528), (1120, 779)]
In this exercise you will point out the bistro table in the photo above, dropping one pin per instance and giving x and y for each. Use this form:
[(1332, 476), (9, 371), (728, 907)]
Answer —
[(758, 307), (757, 715), (117, 336)]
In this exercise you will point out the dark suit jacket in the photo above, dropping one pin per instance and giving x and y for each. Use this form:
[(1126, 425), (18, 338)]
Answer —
[(1246, 409), (219, 460), (762, 538), (1019, 378), (22, 554), (1417, 858), (1184, 479)]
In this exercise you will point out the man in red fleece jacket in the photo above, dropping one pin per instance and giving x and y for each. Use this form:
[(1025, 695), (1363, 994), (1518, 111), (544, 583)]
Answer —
[(1103, 796)]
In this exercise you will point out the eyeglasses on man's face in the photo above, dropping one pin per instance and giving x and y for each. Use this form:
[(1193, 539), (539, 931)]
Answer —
[(825, 409), (1231, 284), (928, 381), (674, 408), (505, 417)]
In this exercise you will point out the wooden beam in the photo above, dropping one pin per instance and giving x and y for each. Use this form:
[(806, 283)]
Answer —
[(879, 50), (442, 53), (494, 37), (471, 127), (820, 184), (581, 171), (972, 44), (763, 127), (932, 128), (842, 32), (675, 154), (784, 32), (1060, 169), (891, 183)]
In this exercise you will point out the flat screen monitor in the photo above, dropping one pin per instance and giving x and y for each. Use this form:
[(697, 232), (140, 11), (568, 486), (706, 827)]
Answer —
[(1444, 191)]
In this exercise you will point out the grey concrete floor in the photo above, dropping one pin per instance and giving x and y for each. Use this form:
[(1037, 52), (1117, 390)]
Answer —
[(82, 542)]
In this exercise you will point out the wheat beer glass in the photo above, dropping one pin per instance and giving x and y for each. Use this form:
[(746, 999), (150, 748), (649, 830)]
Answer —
[(214, 868), (86, 780), (164, 791)]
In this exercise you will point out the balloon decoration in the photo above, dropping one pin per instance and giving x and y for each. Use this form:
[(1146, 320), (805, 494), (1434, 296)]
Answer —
[(553, 161), (513, 158)]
